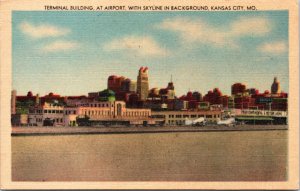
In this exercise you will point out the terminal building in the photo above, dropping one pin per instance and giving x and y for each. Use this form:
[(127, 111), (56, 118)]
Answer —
[(107, 113), (95, 113)]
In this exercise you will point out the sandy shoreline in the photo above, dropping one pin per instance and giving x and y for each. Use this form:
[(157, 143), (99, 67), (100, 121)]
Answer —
[(20, 131)]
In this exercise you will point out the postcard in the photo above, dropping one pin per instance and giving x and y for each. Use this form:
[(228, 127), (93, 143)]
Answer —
[(191, 94)]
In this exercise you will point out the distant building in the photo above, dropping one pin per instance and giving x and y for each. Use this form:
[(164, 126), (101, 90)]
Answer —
[(48, 112), (154, 93), (23, 103), (275, 88), (121, 86), (114, 83), (168, 92), (252, 91), (181, 105), (74, 101), (13, 101), (132, 86), (107, 95), (204, 105), (163, 94), (238, 88), (193, 99), (244, 102), (143, 83), (197, 96), (93, 95), (128, 86), (19, 119), (52, 98), (213, 96)]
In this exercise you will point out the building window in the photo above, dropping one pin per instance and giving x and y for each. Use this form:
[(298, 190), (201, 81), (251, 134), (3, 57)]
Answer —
[(45, 111), (193, 116)]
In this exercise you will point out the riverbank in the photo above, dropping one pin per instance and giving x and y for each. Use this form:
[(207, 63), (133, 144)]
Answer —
[(22, 131)]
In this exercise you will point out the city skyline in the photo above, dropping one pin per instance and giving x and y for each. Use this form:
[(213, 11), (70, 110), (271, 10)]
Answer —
[(59, 52), (202, 93)]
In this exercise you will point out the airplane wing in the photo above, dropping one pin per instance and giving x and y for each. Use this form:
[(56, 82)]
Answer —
[(226, 122), (188, 122)]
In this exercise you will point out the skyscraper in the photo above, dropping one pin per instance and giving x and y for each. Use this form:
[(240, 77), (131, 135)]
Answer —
[(275, 88), (142, 83)]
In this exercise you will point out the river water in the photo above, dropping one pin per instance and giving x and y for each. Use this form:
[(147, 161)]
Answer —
[(191, 156)]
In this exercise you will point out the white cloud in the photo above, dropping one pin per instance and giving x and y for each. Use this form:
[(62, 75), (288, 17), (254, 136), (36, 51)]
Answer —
[(43, 30), (60, 45), (278, 47), (142, 46), (194, 31), (257, 26), (198, 31)]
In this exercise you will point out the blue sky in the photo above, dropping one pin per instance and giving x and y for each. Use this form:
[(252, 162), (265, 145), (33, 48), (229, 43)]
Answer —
[(73, 53)]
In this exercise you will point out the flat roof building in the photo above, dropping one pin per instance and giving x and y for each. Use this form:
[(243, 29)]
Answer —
[(179, 117)]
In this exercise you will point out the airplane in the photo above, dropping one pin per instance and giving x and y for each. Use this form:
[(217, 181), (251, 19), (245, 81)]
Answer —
[(227, 122), (198, 121)]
